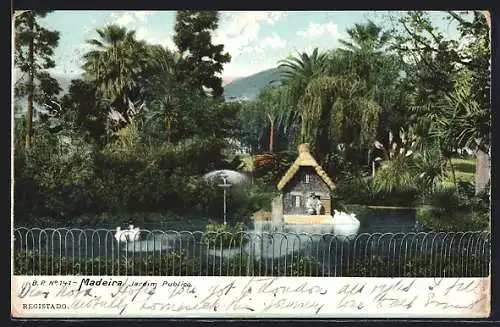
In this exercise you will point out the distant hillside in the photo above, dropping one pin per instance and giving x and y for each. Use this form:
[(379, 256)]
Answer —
[(250, 86), (65, 81)]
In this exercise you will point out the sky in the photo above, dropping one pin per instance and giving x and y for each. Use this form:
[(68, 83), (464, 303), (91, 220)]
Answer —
[(256, 40)]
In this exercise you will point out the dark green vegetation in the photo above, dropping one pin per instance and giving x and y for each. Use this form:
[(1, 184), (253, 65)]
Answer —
[(175, 263), (384, 114)]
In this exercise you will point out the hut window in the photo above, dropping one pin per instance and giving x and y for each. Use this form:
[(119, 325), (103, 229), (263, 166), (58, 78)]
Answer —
[(307, 178), (297, 201)]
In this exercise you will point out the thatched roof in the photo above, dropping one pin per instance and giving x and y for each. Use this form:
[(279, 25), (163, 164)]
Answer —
[(305, 159)]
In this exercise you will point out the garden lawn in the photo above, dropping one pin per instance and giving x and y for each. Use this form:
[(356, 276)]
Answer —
[(465, 169)]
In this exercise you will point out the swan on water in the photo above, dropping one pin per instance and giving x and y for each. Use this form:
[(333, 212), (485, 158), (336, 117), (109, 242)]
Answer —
[(345, 225), (132, 234)]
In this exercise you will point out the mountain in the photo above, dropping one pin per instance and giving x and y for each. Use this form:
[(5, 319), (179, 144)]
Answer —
[(235, 88), (64, 81), (250, 86), (20, 104)]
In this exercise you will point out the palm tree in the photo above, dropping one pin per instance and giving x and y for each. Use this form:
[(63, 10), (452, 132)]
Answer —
[(115, 64), (463, 123), (296, 73), (304, 67), (365, 54), (367, 37), (363, 50), (161, 90)]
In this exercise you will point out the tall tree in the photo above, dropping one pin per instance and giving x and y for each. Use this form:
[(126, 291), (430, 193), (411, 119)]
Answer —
[(469, 52), (334, 110), (86, 110), (366, 54), (115, 65), (162, 92), (296, 73), (272, 102), (201, 60), (34, 48)]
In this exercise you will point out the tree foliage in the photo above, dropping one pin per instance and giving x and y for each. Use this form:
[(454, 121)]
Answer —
[(138, 130), (34, 48), (115, 65), (201, 61)]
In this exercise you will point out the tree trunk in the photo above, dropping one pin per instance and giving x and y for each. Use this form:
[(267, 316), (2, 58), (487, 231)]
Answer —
[(271, 134), (483, 166), (453, 175), (483, 159), (168, 129), (31, 88)]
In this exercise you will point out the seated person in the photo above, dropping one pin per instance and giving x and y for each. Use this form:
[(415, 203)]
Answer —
[(311, 205), (318, 206)]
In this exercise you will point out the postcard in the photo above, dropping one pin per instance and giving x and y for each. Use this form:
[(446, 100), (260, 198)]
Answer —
[(253, 164)]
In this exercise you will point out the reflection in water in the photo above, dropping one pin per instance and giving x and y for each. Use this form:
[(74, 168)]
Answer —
[(157, 242), (266, 240)]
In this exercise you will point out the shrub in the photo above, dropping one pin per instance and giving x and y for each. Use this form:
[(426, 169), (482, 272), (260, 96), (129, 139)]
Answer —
[(52, 181), (450, 208), (360, 190), (223, 236), (173, 263), (440, 219), (177, 263), (419, 265), (301, 266), (245, 199)]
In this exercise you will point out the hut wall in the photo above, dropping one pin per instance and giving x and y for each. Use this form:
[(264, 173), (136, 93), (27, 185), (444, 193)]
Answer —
[(298, 187)]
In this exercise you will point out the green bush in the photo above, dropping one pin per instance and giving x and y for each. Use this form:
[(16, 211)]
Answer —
[(360, 190), (450, 208), (441, 219), (354, 188), (224, 236), (244, 200), (175, 263), (301, 266), (55, 182), (419, 265)]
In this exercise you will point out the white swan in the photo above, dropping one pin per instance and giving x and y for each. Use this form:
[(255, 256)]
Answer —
[(345, 225), (135, 234), (130, 235), (118, 234)]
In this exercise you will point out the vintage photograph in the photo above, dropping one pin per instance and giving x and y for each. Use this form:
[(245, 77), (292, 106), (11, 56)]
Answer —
[(251, 143)]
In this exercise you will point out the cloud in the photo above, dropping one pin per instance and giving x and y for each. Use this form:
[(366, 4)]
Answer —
[(275, 16), (138, 21), (315, 30), (123, 19), (273, 42), (130, 18), (238, 30), (141, 15), (142, 33), (168, 43)]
